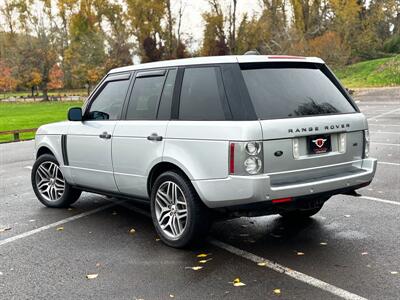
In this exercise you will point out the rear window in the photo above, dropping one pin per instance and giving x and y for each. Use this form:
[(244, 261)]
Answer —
[(284, 91)]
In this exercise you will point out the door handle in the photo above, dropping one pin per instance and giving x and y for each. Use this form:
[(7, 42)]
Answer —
[(155, 137), (105, 135)]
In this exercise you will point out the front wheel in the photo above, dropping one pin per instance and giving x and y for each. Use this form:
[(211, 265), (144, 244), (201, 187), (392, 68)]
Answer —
[(179, 216), (49, 184)]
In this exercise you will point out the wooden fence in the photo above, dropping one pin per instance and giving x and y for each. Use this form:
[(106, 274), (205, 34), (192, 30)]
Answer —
[(16, 133)]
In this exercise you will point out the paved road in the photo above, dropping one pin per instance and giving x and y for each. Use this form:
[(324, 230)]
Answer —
[(351, 248)]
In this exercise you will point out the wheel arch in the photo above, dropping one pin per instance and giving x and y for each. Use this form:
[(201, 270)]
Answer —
[(160, 168), (44, 150)]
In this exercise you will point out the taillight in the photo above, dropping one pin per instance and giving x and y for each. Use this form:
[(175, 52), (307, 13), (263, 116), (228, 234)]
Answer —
[(245, 158), (232, 158), (366, 143)]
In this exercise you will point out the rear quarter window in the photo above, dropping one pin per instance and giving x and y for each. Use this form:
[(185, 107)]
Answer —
[(202, 95), (289, 90)]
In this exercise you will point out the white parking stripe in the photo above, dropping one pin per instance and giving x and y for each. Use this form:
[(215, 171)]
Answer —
[(384, 114), (384, 132), (384, 144), (388, 163), (289, 272), (379, 200), (55, 224), (384, 125)]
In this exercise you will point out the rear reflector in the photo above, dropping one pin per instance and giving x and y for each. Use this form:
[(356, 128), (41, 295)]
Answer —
[(232, 158), (282, 200)]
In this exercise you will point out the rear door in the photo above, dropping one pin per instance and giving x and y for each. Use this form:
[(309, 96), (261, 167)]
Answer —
[(308, 121), (138, 140), (89, 141)]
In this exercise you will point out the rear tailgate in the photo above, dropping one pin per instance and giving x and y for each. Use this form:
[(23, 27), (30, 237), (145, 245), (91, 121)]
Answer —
[(287, 165), (311, 128)]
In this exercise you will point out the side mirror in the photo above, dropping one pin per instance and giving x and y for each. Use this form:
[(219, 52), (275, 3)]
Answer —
[(75, 114)]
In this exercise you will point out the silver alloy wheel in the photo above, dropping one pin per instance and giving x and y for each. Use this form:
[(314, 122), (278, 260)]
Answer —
[(50, 181), (171, 209)]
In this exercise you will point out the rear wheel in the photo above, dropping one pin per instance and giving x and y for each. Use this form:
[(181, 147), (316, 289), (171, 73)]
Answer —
[(300, 214), (49, 184), (179, 216)]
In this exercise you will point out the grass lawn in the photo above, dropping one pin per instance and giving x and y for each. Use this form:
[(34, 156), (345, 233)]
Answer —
[(31, 115), (372, 73)]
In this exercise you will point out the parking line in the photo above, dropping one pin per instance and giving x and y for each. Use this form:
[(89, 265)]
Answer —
[(384, 144), (287, 271), (384, 114), (55, 224), (379, 200), (384, 124), (388, 163), (385, 132), (273, 266)]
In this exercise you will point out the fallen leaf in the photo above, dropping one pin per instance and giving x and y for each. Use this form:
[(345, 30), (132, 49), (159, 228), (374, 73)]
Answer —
[(60, 228), (196, 268), (92, 276), (323, 244), (300, 253), (237, 282), (132, 231), (201, 255), (275, 235), (262, 264), (364, 253), (394, 272), (277, 291), (203, 261), (171, 296), (5, 229)]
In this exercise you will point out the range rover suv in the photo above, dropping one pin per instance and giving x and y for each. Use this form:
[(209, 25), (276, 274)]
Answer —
[(213, 136)]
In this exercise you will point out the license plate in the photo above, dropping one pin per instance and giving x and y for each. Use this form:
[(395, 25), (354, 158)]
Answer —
[(318, 144)]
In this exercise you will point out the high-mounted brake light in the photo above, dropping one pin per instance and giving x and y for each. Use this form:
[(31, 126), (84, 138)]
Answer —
[(282, 200), (232, 158), (285, 57)]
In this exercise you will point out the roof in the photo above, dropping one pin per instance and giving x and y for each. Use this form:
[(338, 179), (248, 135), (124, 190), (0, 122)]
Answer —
[(218, 60)]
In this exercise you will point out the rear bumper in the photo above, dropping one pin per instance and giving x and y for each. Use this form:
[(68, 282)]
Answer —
[(240, 190)]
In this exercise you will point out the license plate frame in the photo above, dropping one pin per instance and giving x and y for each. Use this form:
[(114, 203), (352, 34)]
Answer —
[(319, 144)]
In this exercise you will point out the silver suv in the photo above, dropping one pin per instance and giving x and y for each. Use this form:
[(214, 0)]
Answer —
[(206, 137)]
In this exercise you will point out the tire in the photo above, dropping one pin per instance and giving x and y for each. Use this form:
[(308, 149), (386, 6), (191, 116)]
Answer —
[(49, 184), (168, 216), (299, 214)]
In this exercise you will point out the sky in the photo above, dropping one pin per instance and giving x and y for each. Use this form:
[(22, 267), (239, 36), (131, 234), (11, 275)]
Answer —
[(192, 22)]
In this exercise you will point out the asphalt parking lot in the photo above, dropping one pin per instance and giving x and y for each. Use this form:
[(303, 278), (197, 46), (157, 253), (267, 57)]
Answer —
[(350, 250)]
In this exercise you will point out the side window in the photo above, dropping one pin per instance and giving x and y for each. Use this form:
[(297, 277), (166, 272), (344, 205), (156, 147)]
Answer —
[(201, 96), (164, 111), (108, 104), (144, 99)]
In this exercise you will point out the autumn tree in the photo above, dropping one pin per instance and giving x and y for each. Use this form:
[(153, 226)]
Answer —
[(86, 52), (7, 81)]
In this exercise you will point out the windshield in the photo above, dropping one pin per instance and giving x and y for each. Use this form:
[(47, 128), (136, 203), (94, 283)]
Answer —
[(283, 91)]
